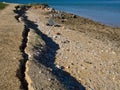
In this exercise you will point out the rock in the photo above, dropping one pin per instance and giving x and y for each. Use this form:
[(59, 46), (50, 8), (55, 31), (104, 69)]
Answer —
[(72, 63), (74, 16), (102, 50), (49, 79), (40, 71), (52, 23), (52, 10), (66, 41), (63, 20), (68, 67), (58, 33), (17, 7), (60, 67), (54, 37), (113, 52), (20, 19), (83, 67)]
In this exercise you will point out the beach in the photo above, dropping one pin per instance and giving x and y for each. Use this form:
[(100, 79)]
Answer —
[(56, 50)]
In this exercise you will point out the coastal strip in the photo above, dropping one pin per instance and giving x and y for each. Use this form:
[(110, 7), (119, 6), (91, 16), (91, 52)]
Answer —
[(56, 50)]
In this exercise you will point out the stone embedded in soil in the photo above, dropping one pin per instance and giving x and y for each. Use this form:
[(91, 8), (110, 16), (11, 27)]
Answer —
[(58, 33)]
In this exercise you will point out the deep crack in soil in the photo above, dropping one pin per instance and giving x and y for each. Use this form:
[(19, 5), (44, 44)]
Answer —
[(22, 67), (62, 76)]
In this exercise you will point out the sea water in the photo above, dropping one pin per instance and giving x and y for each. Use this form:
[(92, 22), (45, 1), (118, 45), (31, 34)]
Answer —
[(103, 11)]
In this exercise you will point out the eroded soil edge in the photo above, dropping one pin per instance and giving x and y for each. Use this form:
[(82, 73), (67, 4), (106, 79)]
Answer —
[(37, 70), (20, 11)]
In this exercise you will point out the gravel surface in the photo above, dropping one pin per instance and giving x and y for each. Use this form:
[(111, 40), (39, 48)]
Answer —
[(93, 62)]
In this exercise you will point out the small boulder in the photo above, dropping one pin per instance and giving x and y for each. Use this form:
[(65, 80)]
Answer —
[(52, 23), (74, 16)]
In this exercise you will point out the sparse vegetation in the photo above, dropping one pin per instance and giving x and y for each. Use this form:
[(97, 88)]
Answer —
[(37, 39), (34, 4), (2, 5), (39, 5)]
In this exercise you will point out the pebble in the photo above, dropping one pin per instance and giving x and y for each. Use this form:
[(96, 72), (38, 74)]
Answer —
[(102, 50), (66, 57), (113, 52), (68, 67), (74, 16), (40, 71), (29, 55), (49, 79), (58, 33), (66, 41), (60, 67), (50, 69), (72, 63), (54, 37), (37, 52), (84, 67)]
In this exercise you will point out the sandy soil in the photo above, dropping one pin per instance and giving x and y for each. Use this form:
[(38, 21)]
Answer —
[(10, 40)]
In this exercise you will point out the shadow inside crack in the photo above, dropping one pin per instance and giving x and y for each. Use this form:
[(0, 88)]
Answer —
[(47, 58)]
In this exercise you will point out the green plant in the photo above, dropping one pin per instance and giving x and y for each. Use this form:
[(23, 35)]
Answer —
[(2, 5), (37, 40)]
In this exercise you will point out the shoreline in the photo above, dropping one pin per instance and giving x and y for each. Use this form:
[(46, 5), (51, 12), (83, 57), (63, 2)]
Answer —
[(102, 21), (60, 50), (97, 21)]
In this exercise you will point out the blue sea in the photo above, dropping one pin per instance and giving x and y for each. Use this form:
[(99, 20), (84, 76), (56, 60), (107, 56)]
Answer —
[(103, 11)]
